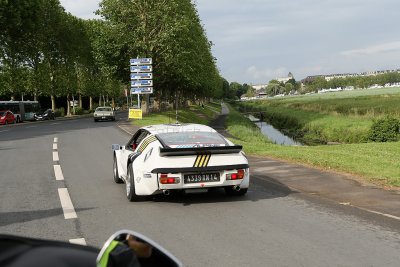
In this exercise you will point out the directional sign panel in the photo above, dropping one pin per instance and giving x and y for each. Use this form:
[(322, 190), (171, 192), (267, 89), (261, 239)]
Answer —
[(141, 61), (141, 83), (141, 76), (141, 90), (141, 68)]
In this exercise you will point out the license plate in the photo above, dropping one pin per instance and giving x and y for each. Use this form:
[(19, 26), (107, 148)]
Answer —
[(103, 117), (200, 178)]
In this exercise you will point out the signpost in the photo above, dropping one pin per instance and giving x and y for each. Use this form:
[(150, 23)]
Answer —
[(141, 81)]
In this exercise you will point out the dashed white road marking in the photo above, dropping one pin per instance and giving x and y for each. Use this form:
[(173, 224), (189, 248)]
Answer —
[(55, 139), (58, 173), (55, 123), (55, 146), (66, 204), (78, 241), (55, 156), (4, 131), (33, 126)]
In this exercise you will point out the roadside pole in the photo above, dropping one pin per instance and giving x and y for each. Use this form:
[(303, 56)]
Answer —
[(141, 82)]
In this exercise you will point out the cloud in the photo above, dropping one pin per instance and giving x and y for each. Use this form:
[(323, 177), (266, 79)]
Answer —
[(374, 49), (266, 74), (82, 9)]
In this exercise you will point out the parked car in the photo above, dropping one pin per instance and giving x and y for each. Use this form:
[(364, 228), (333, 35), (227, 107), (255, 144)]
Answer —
[(6, 117), (104, 113), (48, 114)]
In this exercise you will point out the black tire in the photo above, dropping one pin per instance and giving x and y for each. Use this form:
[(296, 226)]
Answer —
[(18, 120), (232, 192), (130, 186), (6, 122), (95, 120), (115, 172)]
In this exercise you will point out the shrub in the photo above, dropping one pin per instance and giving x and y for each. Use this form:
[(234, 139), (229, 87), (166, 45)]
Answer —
[(60, 112), (385, 130), (78, 111)]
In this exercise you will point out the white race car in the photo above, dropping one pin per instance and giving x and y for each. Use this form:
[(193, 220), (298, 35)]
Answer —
[(191, 157)]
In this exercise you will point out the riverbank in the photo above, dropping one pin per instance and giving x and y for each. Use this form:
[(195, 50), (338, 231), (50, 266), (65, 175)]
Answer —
[(371, 162)]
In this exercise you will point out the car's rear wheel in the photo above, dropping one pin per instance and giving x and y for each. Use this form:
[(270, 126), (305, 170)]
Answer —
[(95, 120), (130, 185), (230, 191), (115, 171)]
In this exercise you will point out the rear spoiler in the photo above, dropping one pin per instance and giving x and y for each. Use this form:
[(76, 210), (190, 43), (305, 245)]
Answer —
[(200, 150)]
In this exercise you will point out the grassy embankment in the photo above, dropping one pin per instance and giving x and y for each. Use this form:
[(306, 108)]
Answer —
[(192, 114), (344, 117), (376, 162)]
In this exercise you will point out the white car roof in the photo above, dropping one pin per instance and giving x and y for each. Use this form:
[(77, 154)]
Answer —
[(172, 128)]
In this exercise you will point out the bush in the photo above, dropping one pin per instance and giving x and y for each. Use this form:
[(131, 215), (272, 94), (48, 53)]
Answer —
[(60, 112), (385, 130), (78, 111)]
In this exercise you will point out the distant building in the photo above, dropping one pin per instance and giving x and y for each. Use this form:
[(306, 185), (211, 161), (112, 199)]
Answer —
[(285, 79), (346, 75), (259, 86)]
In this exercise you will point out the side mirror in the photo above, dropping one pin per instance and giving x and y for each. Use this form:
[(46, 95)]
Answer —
[(126, 248), (115, 147)]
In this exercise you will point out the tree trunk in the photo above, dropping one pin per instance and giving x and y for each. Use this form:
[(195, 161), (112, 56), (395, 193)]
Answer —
[(80, 100), (90, 103), (53, 102), (113, 102), (68, 106), (99, 100)]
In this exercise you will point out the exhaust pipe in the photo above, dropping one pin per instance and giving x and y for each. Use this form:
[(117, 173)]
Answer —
[(166, 192), (236, 187)]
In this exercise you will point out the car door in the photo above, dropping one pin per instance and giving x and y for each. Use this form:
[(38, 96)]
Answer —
[(131, 150)]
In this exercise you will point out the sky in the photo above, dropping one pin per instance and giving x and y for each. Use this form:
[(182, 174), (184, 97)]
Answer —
[(259, 40)]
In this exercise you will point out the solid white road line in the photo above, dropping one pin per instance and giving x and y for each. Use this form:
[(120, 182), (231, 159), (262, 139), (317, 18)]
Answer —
[(55, 146), (55, 156), (66, 204), (58, 173), (78, 241), (55, 139)]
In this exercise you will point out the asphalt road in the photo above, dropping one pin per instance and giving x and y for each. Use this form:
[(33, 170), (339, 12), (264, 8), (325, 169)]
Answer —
[(270, 226)]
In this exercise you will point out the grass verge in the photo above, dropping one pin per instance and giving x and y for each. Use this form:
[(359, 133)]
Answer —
[(375, 162), (192, 114)]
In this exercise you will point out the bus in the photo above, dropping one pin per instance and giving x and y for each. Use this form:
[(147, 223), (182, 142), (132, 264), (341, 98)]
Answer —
[(23, 110)]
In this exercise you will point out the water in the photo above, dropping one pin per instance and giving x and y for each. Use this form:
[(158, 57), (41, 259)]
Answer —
[(273, 134)]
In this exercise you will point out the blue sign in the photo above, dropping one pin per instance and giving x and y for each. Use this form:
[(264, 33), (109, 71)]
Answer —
[(141, 61), (141, 76), (141, 83), (141, 90), (141, 68)]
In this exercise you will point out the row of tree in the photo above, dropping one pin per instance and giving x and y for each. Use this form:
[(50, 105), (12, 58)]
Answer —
[(361, 82), (46, 51)]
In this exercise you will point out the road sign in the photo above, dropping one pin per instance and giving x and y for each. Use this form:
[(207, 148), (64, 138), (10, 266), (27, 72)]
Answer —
[(141, 68), (141, 83), (135, 113), (141, 76), (141, 90), (141, 61)]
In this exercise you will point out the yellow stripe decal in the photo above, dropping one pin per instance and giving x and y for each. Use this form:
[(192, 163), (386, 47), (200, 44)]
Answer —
[(197, 160), (202, 160), (207, 160)]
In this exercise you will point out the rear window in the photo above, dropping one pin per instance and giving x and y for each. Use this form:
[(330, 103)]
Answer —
[(192, 139), (103, 109), (2, 113)]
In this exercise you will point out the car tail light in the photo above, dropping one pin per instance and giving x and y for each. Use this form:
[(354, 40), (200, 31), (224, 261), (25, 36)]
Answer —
[(236, 175), (164, 179)]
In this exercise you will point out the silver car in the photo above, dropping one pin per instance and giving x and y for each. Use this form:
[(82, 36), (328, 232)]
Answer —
[(104, 113)]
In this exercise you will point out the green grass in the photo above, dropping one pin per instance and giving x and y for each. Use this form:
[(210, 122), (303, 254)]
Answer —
[(192, 114), (375, 162), (344, 117)]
